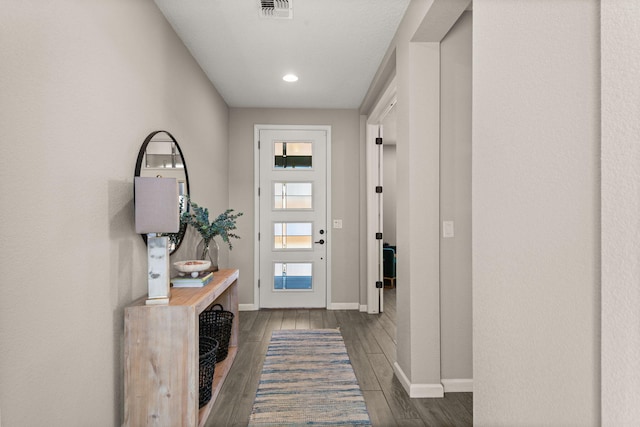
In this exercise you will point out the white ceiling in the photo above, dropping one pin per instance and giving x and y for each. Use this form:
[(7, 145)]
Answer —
[(334, 46)]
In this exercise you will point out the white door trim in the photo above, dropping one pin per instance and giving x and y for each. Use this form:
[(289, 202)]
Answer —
[(374, 201), (256, 203)]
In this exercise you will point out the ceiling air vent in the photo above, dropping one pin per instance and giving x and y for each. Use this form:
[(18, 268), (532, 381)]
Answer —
[(279, 9)]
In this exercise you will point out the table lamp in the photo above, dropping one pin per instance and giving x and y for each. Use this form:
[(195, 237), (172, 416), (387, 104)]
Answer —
[(156, 211)]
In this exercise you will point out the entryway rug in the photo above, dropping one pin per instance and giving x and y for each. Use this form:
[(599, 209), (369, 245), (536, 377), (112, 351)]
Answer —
[(307, 379)]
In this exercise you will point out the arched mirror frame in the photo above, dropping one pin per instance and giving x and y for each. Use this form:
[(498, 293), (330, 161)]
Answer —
[(141, 156)]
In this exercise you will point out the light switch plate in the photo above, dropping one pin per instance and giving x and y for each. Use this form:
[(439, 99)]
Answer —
[(447, 229), (337, 223)]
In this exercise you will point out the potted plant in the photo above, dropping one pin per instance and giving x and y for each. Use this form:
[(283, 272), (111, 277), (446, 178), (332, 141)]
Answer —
[(223, 226)]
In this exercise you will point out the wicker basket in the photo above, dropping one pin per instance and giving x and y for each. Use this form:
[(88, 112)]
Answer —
[(208, 349), (216, 324)]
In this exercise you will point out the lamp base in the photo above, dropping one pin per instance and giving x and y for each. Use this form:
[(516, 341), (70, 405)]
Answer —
[(158, 263)]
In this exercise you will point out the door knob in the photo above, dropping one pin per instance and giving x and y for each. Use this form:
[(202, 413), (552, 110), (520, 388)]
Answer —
[(321, 241)]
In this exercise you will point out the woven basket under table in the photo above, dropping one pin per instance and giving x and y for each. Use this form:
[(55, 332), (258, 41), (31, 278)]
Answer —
[(216, 324), (208, 349)]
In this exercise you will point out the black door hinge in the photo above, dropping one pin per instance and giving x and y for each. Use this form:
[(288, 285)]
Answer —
[(378, 236), (379, 284), (379, 189), (378, 141)]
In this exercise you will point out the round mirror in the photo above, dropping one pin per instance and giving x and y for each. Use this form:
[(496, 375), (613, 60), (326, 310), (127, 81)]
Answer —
[(161, 156)]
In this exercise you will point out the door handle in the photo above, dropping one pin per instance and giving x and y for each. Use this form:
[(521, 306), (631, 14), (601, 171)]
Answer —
[(321, 241)]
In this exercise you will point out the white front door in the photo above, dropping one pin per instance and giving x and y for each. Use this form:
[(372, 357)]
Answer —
[(293, 233)]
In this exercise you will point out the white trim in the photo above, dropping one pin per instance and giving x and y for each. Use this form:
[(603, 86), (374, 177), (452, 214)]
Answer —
[(256, 202), (247, 307), (384, 104), (464, 385), (363, 308), (328, 227), (417, 390), (374, 266), (343, 306), (256, 215), (375, 298)]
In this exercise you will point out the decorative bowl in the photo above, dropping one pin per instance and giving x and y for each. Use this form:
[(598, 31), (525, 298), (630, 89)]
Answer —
[(192, 266)]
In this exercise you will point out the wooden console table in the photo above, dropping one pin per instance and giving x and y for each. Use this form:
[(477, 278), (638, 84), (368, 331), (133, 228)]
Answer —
[(161, 357)]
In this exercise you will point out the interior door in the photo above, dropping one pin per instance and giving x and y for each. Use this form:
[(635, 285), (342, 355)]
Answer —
[(293, 235)]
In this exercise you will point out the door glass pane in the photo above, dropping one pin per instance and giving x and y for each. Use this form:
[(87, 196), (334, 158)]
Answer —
[(292, 235), (293, 155), (292, 276), (292, 195)]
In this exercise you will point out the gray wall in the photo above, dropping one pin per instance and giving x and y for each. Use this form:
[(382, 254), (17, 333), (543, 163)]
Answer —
[(82, 85), (536, 205), (345, 198), (416, 56), (455, 201), (620, 67), (418, 179), (431, 55)]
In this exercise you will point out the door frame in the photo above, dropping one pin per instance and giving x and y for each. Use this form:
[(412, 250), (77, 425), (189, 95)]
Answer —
[(256, 203), (375, 300)]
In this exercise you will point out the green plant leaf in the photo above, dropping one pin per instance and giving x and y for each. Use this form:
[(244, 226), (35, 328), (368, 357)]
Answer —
[(198, 218)]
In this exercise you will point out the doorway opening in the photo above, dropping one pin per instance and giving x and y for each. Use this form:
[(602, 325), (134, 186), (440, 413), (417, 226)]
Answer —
[(382, 115)]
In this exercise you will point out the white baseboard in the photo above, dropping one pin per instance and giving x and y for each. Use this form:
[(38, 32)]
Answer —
[(364, 308), (464, 385), (334, 306), (247, 307), (344, 306), (417, 390)]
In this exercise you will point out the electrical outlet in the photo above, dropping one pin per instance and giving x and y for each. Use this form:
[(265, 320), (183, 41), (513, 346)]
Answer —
[(337, 223)]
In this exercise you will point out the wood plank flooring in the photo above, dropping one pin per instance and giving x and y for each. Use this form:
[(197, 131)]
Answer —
[(370, 342)]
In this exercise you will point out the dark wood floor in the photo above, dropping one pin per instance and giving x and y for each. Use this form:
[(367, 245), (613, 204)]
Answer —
[(370, 341)]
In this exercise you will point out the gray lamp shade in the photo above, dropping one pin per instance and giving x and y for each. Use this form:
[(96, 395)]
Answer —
[(156, 205)]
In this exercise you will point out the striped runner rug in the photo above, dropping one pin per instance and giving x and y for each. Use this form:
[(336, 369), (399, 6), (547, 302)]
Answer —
[(307, 379)]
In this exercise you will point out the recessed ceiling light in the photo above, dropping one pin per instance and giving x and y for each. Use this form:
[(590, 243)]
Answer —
[(290, 78)]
